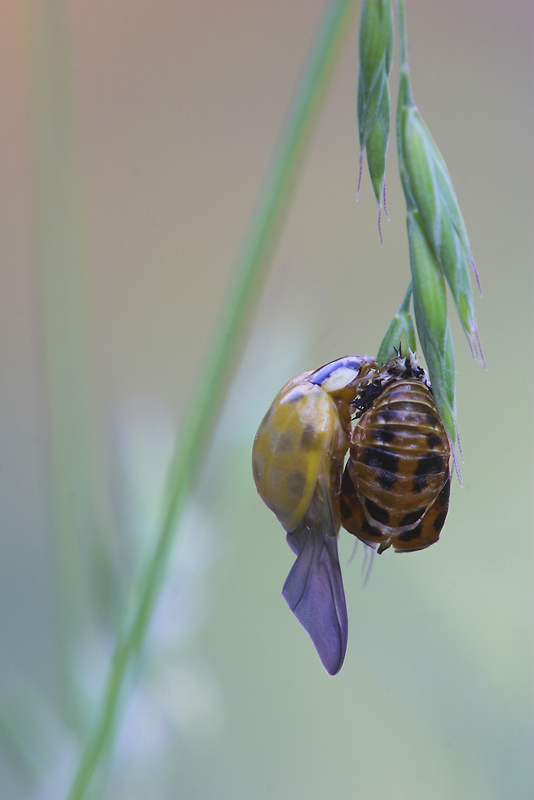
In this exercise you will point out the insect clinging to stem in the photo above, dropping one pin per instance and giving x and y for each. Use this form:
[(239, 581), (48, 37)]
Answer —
[(393, 490)]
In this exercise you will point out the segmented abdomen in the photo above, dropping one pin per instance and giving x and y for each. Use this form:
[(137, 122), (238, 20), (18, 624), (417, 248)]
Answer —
[(399, 457)]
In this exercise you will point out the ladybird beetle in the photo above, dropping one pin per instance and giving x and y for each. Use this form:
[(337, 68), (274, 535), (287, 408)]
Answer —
[(297, 463), (396, 484)]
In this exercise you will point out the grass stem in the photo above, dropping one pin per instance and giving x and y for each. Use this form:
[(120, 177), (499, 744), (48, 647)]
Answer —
[(218, 369)]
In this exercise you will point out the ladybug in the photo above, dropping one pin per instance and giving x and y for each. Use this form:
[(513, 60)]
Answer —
[(396, 484), (297, 463)]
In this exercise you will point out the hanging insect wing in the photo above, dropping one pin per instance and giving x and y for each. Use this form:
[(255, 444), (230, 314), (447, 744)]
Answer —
[(297, 463), (314, 587)]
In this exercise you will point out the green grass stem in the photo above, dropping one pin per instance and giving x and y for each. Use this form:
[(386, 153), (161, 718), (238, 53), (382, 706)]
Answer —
[(199, 423), (60, 257)]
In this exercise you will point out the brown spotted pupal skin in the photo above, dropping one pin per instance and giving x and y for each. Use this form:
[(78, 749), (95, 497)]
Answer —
[(396, 483), (425, 533), (297, 464)]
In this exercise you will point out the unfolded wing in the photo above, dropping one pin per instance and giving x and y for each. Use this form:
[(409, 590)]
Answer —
[(314, 591)]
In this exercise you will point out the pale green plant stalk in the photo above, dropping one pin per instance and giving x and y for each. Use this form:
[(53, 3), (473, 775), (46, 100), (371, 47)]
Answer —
[(199, 423), (400, 336), (439, 248), (60, 257)]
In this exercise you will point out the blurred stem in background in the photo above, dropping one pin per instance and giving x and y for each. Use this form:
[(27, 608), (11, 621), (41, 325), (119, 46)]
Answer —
[(60, 257), (199, 423)]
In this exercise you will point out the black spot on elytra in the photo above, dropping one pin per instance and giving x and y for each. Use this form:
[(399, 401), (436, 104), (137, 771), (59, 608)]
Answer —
[(429, 465), (383, 435), (432, 420), (285, 442), (375, 457), (295, 483), (377, 512), (308, 438), (386, 479), (412, 517), (433, 440)]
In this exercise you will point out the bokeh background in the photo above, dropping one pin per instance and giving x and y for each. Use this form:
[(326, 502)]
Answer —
[(136, 137)]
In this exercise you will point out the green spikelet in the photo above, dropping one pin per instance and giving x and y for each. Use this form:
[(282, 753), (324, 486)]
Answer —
[(428, 188), (400, 335), (376, 50)]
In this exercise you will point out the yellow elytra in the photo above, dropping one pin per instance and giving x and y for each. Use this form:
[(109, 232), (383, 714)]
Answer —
[(297, 463)]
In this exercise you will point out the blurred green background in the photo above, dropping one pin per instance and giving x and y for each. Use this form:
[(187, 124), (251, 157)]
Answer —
[(136, 137)]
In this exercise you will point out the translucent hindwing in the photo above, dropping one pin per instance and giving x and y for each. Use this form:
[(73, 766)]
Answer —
[(396, 483)]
